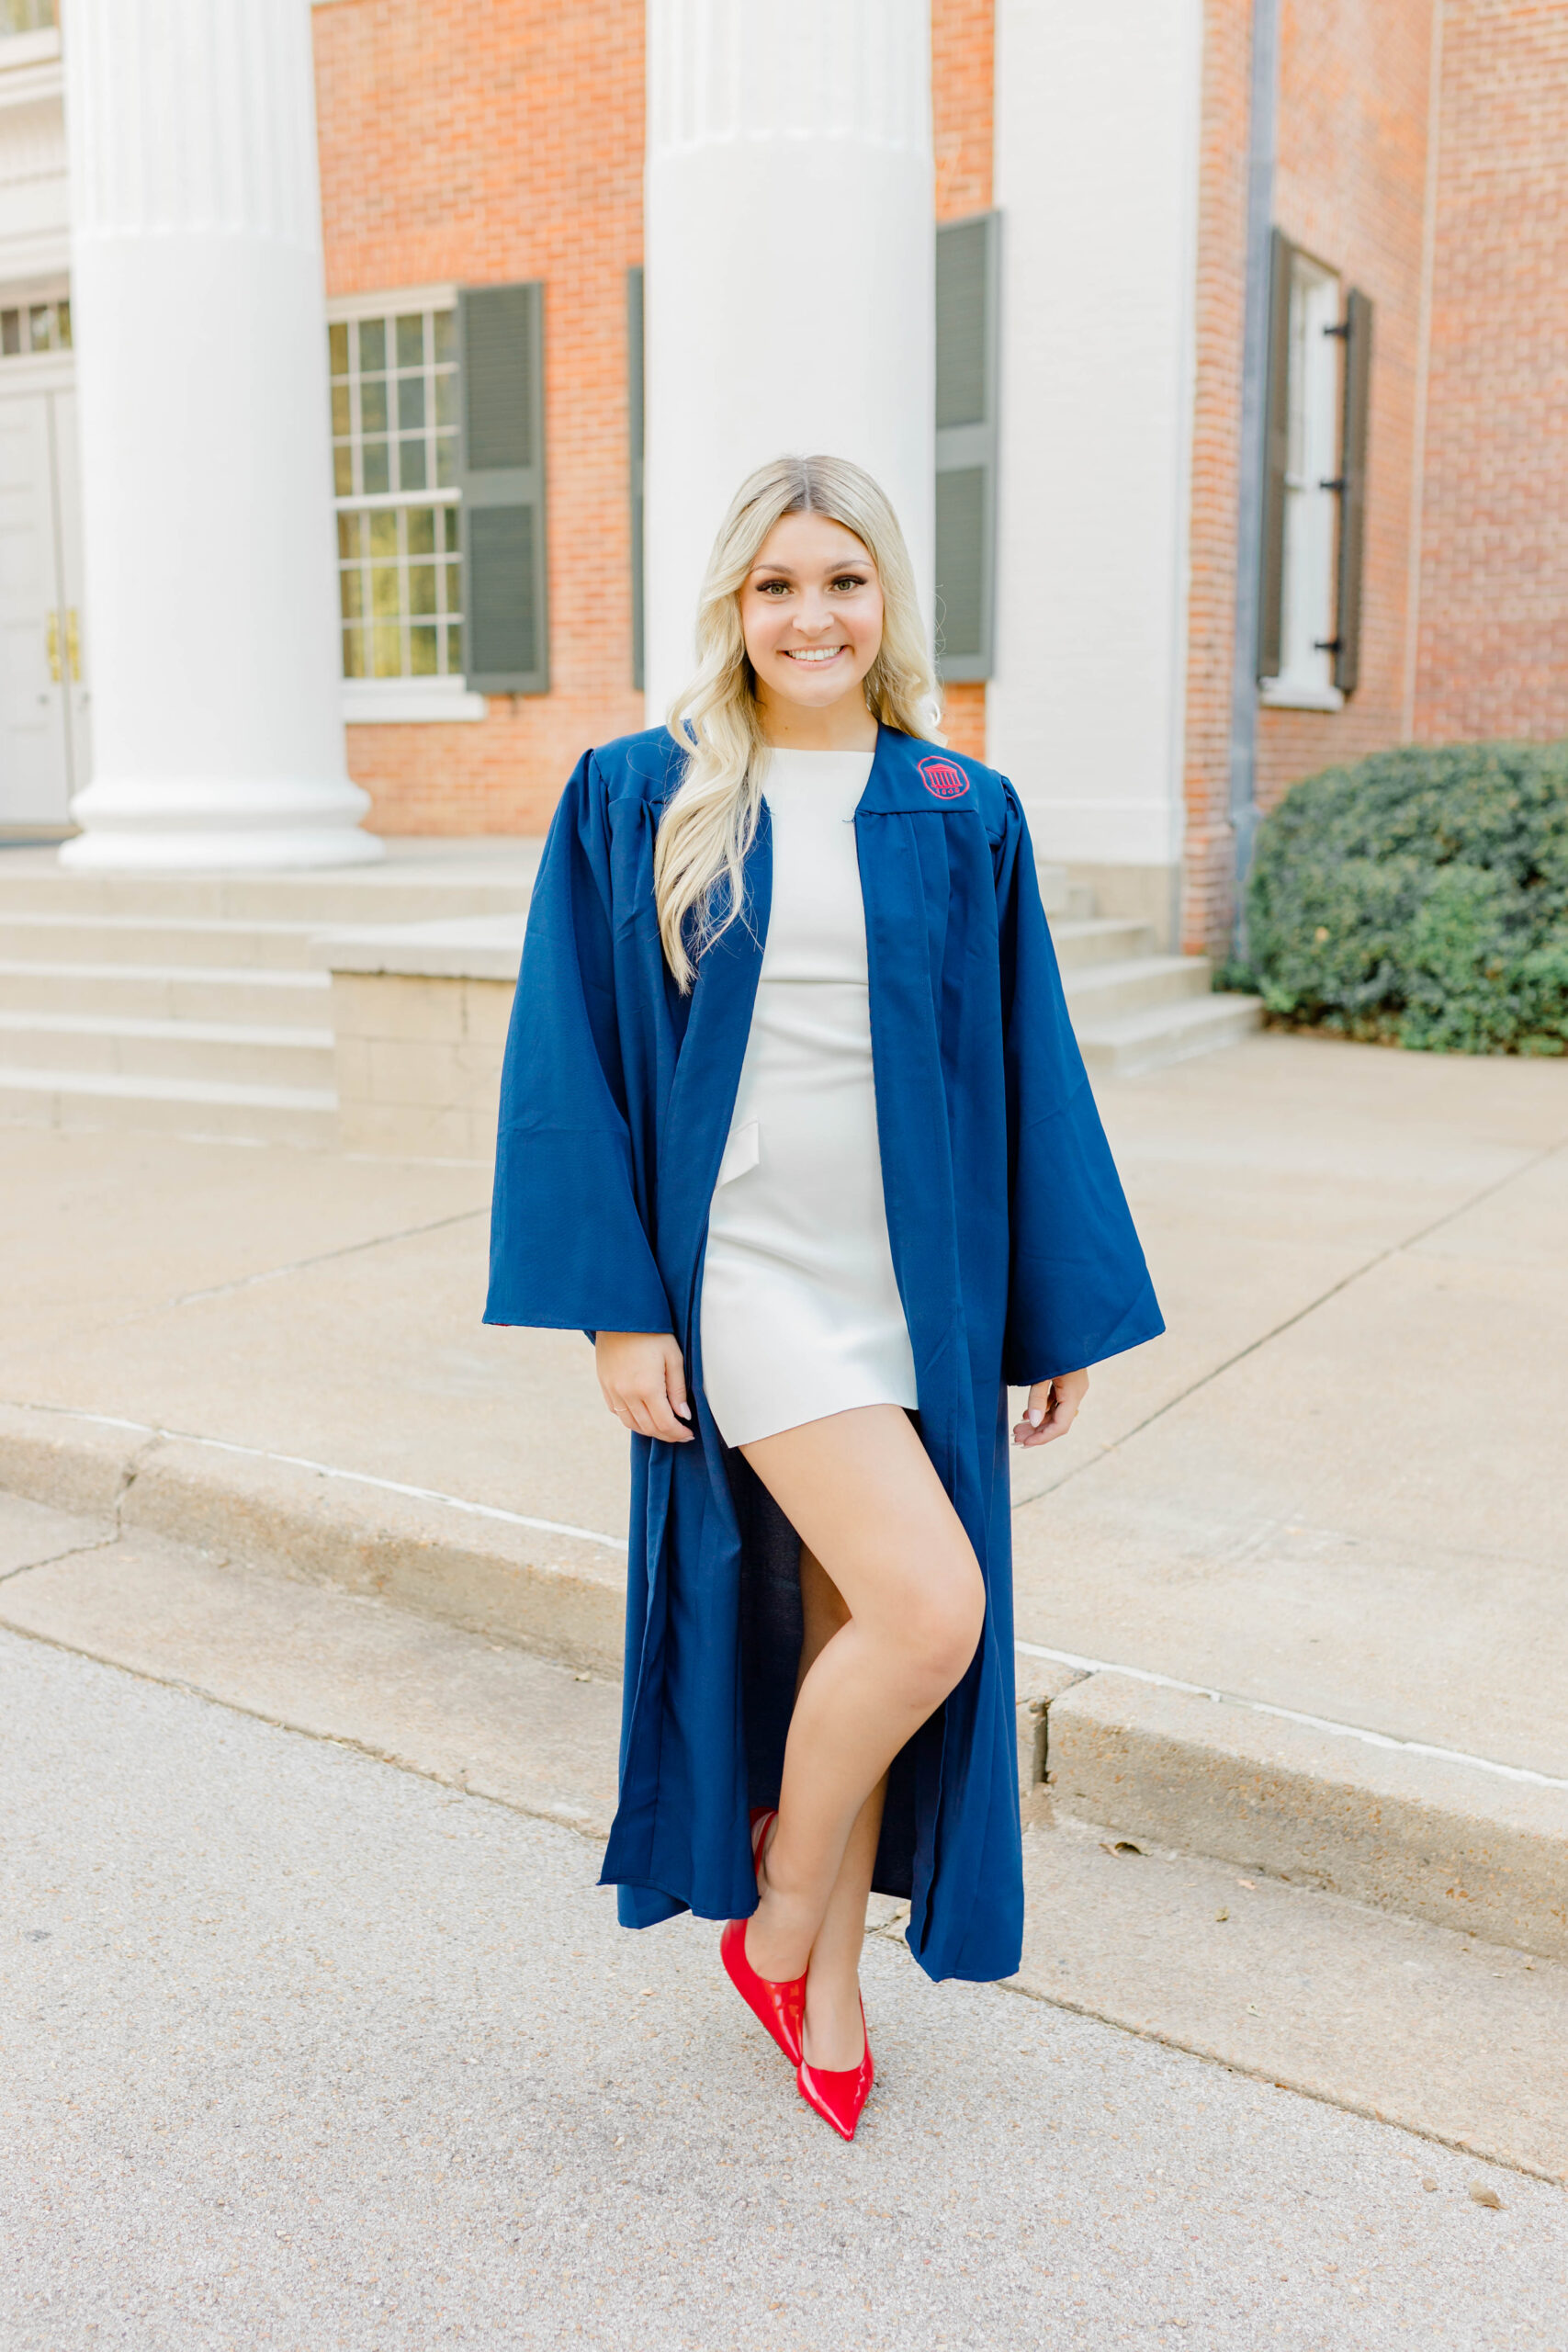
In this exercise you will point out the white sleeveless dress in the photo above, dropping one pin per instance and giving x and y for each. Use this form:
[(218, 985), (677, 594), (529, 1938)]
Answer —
[(801, 1315)]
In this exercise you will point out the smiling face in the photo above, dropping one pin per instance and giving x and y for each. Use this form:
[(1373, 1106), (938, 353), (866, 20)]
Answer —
[(811, 616)]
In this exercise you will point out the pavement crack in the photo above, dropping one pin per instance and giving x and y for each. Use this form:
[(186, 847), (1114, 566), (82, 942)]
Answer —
[(71, 1552), (321, 1258), (1287, 1323), (131, 1470)]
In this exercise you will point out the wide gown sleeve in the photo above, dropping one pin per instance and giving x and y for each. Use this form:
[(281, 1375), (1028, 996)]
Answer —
[(568, 1245), (1078, 1289)]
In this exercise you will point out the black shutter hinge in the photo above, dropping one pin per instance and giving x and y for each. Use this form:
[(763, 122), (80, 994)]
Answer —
[(1337, 483), (1342, 330), (1326, 644)]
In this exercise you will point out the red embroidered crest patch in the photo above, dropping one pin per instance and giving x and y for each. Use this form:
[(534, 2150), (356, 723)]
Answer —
[(940, 777)]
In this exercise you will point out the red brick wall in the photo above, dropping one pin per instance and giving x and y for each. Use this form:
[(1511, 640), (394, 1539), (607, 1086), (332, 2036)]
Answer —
[(1351, 189), (481, 141), (1216, 425), (963, 57), (1493, 640)]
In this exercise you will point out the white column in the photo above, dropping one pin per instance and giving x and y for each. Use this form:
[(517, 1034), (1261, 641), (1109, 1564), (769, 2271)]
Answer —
[(789, 245), (198, 309), (1097, 116)]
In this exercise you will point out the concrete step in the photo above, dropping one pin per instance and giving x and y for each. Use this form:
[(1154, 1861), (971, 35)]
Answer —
[(224, 1052), (167, 991), (1103, 939), (1108, 991), (379, 894), (1123, 1045), (302, 1116), (63, 938)]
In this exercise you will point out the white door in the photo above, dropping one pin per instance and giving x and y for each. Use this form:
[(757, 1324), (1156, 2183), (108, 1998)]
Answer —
[(73, 652), (35, 762)]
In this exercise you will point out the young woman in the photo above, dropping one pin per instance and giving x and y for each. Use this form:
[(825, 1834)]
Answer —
[(793, 1123)]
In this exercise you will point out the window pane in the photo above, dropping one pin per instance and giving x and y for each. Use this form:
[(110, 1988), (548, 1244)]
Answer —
[(40, 326), (10, 332), (395, 424), (63, 318)]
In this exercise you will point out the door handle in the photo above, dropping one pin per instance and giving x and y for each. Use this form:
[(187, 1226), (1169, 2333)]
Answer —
[(53, 639), (74, 645)]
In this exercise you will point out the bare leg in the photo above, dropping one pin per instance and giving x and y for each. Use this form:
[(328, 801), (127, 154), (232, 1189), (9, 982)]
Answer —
[(833, 2032), (861, 1491)]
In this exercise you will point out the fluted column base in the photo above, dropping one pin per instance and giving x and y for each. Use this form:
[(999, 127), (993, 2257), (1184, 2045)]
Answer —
[(139, 826)]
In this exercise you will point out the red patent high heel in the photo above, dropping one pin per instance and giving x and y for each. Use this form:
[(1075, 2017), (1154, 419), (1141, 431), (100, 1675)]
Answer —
[(838, 2095), (780, 2004)]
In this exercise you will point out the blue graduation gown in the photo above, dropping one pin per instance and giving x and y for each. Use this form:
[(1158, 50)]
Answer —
[(1014, 1250)]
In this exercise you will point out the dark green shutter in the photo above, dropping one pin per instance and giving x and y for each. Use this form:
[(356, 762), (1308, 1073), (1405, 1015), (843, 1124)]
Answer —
[(1276, 460), (506, 637), (1353, 489), (967, 262), (635, 452)]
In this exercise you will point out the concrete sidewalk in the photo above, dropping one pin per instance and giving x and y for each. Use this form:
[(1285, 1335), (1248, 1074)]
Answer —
[(1327, 1493)]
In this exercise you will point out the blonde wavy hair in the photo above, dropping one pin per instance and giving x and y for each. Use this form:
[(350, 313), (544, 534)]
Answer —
[(711, 819)]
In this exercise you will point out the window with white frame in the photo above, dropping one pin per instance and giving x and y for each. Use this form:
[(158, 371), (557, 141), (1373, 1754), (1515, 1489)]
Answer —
[(394, 393), (34, 326), (1312, 483)]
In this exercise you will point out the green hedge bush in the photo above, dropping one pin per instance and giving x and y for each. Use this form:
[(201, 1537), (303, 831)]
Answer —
[(1420, 898)]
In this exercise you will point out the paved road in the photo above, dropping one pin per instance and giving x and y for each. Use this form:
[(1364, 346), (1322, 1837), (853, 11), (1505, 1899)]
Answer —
[(303, 2050)]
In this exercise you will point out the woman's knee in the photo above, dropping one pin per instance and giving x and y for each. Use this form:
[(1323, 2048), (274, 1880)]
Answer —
[(940, 1629)]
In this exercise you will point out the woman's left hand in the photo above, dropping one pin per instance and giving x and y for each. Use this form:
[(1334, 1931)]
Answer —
[(1052, 1409)]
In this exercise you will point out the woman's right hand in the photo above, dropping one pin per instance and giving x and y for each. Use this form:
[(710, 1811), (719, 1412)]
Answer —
[(644, 1383)]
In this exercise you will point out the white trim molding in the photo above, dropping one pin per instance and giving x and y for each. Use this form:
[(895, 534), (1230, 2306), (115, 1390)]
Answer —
[(1286, 693), (374, 305), (406, 702)]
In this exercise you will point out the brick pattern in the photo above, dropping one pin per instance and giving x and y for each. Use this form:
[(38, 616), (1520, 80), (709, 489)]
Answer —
[(1492, 642), (1350, 189), (963, 82), (480, 142), (1216, 426)]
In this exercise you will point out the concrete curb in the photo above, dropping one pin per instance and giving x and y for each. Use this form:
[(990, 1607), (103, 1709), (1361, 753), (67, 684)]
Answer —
[(1447, 1842), (1418, 1835), (545, 1592)]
